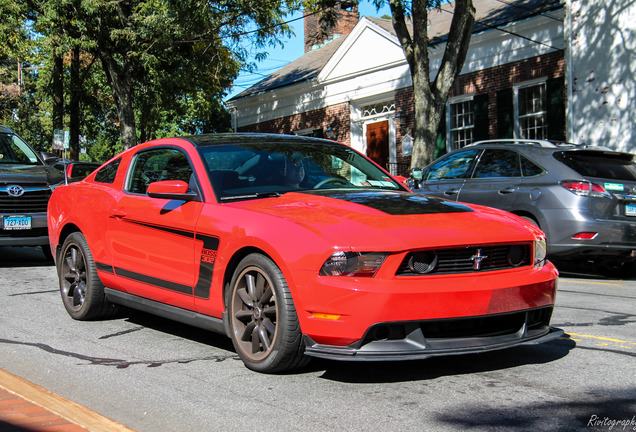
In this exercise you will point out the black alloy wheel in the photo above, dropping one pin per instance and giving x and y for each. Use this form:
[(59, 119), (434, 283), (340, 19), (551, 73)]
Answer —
[(263, 321), (82, 291)]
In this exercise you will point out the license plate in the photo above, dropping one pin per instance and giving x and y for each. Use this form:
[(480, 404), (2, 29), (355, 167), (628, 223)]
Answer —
[(630, 209), (16, 223)]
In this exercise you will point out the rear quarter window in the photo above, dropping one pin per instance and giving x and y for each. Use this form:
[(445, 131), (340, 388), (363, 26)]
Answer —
[(108, 172), (614, 166)]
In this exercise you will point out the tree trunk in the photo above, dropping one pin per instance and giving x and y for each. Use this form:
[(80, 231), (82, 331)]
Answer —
[(430, 97), (122, 88), (58, 92), (74, 105)]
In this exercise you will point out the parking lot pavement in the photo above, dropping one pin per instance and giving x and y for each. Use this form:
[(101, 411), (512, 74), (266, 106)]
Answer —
[(25, 406)]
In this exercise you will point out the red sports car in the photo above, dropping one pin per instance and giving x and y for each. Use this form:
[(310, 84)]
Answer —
[(297, 247)]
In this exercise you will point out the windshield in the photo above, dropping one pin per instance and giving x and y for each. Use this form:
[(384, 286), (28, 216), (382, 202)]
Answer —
[(253, 170), (15, 151)]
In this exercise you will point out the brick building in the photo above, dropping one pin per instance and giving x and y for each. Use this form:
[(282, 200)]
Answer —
[(355, 86)]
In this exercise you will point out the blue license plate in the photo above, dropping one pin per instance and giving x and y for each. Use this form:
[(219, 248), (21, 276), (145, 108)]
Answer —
[(16, 223), (630, 209)]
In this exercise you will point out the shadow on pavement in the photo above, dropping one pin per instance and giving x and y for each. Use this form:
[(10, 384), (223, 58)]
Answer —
[(23, 256)]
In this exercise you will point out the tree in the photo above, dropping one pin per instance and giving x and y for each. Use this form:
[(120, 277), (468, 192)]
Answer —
[(430, 96), (154, 50), (149, 68)]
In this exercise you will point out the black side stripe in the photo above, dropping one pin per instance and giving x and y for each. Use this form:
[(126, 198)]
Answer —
[(105, 268), (154, 281), (206, 264)]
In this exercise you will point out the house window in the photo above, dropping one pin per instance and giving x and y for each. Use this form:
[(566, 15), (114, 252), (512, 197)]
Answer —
[(531, 111), (378, 109), (461, 121)]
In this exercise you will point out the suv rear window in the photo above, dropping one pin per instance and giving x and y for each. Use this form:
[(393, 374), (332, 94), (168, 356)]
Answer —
[(614, 166)]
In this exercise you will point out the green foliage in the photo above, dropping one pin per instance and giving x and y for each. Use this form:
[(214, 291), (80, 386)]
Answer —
[(160, 67)]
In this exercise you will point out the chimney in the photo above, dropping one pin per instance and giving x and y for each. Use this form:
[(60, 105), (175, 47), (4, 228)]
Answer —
[(348, 17)]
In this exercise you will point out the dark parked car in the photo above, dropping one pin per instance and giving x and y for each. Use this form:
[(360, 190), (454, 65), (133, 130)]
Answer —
[(26, 184), (584, 198), (76, 171)]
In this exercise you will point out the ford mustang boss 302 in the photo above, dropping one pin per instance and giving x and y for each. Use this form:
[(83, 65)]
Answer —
[(297, 248)]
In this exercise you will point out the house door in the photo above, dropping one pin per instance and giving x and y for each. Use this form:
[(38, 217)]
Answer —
[(378, 142)]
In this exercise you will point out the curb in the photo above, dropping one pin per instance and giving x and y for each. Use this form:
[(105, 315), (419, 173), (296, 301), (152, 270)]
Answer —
[(58, 405)]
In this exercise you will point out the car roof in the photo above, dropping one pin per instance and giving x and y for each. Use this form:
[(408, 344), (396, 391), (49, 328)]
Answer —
[(537, 143), (214, 139)]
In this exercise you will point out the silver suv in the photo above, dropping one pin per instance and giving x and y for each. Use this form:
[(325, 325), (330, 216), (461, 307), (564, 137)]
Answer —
[(26, 184), (584, 198)]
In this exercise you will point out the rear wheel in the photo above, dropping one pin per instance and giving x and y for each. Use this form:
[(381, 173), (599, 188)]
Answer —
[(617, 269), (82, 291), (263, 322)]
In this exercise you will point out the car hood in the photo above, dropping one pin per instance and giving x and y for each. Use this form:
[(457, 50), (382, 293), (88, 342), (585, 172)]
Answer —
[(30, 174), (395, 220)]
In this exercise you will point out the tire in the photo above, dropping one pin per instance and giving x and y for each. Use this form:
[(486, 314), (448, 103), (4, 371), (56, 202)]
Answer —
[(82, 291), (530, 219), (262, 317), (617, 269)]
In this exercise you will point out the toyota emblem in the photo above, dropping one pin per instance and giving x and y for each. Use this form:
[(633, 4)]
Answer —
[(15, 190)]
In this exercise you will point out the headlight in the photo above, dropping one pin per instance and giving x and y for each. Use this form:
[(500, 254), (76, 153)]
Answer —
[(360, 264), (540, 248)]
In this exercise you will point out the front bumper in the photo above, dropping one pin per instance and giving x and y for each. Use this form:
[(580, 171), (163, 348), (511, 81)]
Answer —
[(36, 236), (429, 338)]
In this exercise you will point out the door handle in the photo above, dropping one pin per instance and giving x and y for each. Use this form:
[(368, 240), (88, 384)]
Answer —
[(506, 190), (117, 213), (453, 191)]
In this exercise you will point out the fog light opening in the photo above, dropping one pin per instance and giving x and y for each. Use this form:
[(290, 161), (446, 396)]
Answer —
[(423, 262), (517, 255), (381, 332)]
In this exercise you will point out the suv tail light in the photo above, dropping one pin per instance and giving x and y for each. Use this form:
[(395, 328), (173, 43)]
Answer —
[(584, 188)]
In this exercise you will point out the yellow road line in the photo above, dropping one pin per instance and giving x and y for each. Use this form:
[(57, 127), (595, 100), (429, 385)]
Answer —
[(603, 338), (592, 283)]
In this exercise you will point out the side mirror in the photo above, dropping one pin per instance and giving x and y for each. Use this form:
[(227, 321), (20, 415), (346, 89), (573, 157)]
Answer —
[(172, 190), (49, 158)]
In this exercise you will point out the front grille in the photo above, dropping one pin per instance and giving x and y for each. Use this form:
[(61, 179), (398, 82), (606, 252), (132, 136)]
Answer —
[(33, 200), (471, 327), (470, 259)]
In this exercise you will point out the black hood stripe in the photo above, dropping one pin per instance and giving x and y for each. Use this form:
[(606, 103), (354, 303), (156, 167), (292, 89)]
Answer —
[(395, 203)]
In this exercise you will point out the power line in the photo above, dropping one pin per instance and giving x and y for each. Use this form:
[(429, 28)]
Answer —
[(508, 31)]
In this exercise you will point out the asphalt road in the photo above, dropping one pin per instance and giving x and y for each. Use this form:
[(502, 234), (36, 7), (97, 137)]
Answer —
[(154, 375)]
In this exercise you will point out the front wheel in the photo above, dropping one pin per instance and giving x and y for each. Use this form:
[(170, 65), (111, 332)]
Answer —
[(82, 291), (263, 322)]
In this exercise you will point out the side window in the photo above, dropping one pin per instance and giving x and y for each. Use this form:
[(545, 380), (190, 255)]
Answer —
[(156, 165), (529, 168), (455, 166), (108, 172), (498, 163)]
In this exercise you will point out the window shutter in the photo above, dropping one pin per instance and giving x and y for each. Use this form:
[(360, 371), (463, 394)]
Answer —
[(556, 109), (505, 114), (480, 108), (440, 142)]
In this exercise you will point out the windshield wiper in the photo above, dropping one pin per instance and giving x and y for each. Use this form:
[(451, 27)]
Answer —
[(272, 194)]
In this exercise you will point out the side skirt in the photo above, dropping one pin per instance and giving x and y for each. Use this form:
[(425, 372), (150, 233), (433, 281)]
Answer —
[(166, 311)]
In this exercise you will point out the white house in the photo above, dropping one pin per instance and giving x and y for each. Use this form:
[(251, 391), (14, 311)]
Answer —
[(535, 69)]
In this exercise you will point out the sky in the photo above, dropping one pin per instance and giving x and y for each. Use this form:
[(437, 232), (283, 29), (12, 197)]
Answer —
[(293, 48)]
